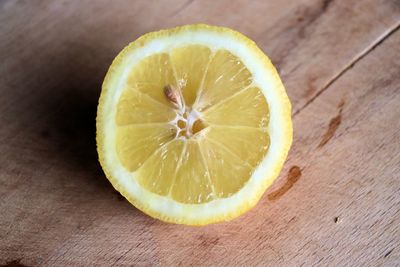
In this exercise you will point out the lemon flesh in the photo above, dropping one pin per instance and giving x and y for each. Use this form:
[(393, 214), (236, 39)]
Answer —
[(208, 150)]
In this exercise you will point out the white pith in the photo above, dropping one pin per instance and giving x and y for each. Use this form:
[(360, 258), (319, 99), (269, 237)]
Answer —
[(262, 79)]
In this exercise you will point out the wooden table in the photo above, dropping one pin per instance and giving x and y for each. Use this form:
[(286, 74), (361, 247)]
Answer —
[(336, 203)]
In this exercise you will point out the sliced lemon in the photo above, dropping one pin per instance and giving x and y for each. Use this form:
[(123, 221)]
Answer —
[(193, 124)]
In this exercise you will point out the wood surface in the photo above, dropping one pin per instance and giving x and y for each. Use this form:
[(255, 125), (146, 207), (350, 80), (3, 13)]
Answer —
[(336, 202)]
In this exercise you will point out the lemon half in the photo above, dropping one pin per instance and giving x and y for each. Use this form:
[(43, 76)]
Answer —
[(193, 124)]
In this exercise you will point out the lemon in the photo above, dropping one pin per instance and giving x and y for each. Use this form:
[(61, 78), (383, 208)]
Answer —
[(193, 124)]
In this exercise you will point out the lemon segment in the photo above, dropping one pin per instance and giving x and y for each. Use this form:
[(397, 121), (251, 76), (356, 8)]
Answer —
[(136, 143), (192, 182), (228, 172), (153, 73), (190, 63), (246, 108), (135, 107), (251, 145), (158, 171), (225, 76)]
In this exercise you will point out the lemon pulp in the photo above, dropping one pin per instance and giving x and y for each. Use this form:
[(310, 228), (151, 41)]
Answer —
[(208, 147)]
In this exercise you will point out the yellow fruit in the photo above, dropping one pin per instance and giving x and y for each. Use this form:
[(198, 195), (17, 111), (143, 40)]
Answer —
[(193, 124)]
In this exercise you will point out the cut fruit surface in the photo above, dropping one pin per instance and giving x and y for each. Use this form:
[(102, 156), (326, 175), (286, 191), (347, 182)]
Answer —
[(193, 124)]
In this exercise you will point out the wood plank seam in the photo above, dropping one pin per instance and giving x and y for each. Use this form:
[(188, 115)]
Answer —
[(181, 8), (364, 53)]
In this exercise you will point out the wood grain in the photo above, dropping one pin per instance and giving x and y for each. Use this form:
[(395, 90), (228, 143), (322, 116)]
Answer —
[(340, 62)]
